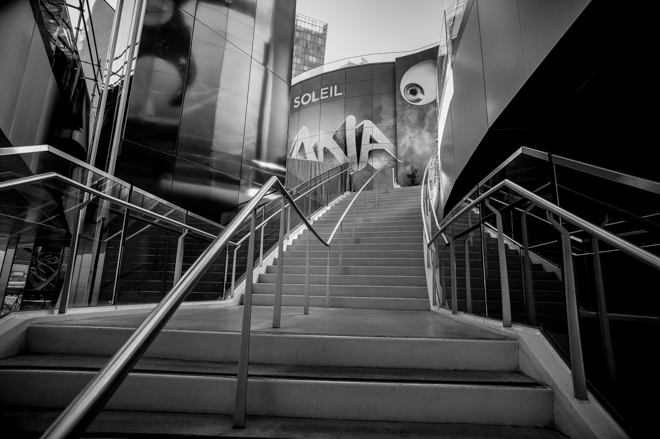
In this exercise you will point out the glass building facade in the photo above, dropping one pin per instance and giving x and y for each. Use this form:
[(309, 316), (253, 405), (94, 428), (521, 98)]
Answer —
[(208, 107), (309, 44)]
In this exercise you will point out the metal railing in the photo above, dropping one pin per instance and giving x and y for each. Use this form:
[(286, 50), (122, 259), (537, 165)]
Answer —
[(565, 217), (74, 419)]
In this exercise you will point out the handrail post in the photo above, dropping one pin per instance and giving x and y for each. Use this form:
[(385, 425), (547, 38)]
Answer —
[(244, 356), (263, 229), (527, 269), (277, 308), (602, 314), (327, 282), (376, 190), (504, 274), (574, 342), (454, 287), (306, 302), (341, 237), (224, 280), (71, 266), (288, 221), (365, 206), (178, 266), (468, 286), (354, 219), (120, 257), (233, 271)]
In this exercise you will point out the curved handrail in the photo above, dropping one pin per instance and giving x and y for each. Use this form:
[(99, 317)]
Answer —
[(55, 176), (341, 219), (82, 410), (596, 231)]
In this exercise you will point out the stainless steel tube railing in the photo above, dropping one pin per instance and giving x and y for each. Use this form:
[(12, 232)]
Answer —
[(93, 397), (552, 211)]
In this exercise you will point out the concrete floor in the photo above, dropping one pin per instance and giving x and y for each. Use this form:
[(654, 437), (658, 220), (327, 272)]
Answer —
[(320, 321)]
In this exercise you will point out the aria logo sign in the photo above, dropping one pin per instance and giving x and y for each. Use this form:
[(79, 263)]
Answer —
[(315, 96)]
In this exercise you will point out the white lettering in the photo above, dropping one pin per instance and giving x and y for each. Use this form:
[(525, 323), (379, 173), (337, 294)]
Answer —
[(324, 93)]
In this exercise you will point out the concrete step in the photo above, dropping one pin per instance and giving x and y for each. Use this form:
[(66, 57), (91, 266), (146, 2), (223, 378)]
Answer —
[(372, 233), (368, 394), (32, 422), (345, 290), (359, 271), (347, 246), (318, 301), (350, 254), (347, 279), (359, 262), (282, 348)]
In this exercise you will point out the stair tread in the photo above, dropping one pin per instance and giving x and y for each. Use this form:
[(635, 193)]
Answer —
[(276, 371), (114, 423)]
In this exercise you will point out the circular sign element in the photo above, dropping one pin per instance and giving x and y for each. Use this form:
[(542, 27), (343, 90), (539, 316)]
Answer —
[(418, 85)]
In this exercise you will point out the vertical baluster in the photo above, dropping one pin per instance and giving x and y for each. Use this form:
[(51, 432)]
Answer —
[(277, 308), (306, 305), (224, 280), (603, 319), (574, 342), (468, 281), (504, 273), (454, 287), (527, 270), (327, 281), (178, 265), (233, 270), (341, 237), (244, 355)]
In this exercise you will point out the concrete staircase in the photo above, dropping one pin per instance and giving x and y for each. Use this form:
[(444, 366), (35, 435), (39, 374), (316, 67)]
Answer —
[(375, 363), (382, 269), (384, 368)]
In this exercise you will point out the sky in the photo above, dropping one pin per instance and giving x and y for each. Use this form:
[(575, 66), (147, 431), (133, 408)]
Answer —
[(363, 27)]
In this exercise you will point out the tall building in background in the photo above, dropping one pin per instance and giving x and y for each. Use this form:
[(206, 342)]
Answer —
[(309, 44)]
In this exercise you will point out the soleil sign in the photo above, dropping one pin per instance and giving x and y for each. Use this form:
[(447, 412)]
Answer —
[(315, 96)]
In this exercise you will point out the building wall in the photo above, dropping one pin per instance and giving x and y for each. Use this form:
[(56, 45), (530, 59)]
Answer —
[(367, 116), (208, 108), (30, 101), (499, 49), (309, 44)]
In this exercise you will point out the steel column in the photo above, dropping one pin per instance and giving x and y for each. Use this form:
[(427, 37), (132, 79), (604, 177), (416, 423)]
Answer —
[(468, 290), (454, 287)]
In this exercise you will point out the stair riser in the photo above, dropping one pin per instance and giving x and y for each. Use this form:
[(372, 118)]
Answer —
[(354, 247), (304, 350), (295, 398), (318, 301), (361, 291), (289, 279), (355, 254), (358, 271), (378, 262)]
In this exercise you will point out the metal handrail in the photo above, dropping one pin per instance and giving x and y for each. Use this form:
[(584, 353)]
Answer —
[(55, 176), (598, 232), (82, 410)]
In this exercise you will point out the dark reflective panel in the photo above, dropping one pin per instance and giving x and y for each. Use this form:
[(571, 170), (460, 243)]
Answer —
[(232, 20), (333, 78), (204, 190), (384, 85), (146, 168), (385, 70), (273, 41), (215, 108), (361, 107), (163, 71), (332, 116), (359, 88), (360, 73), (293, 125), (187, 5), (310, 119), (384, 113)]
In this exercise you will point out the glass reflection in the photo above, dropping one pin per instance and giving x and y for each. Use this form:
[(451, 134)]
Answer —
[(162, 72)]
